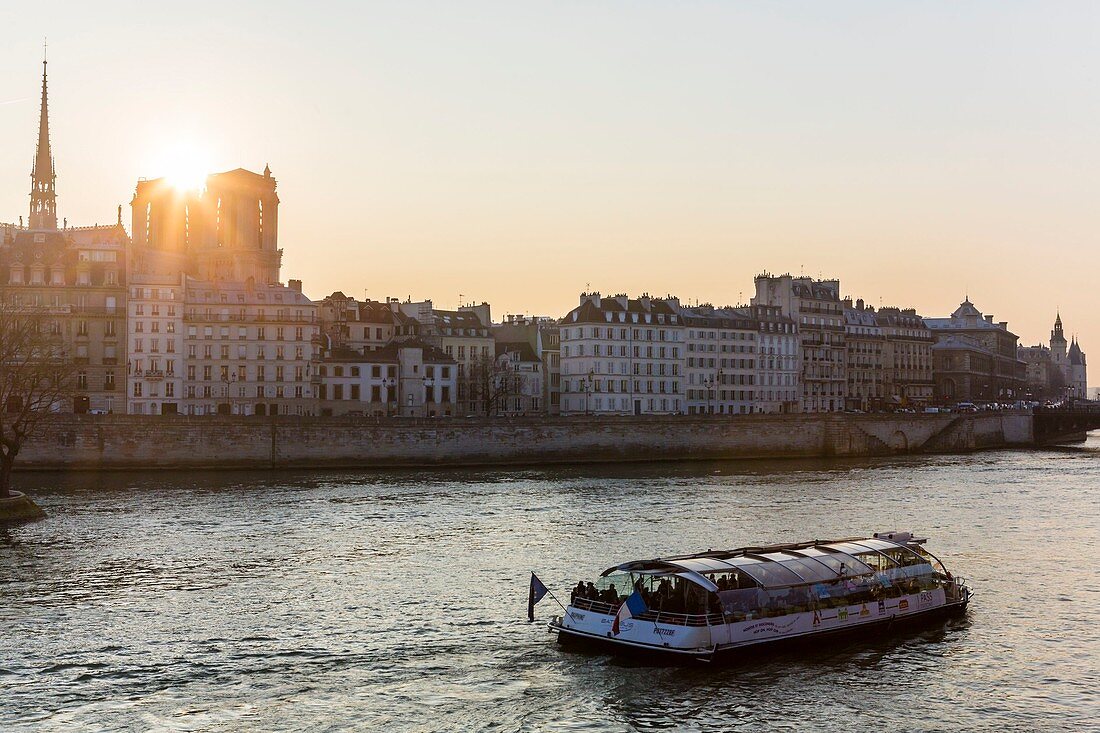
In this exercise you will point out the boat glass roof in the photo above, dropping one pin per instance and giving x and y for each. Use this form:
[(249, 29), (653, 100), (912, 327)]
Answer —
[(776, 566)]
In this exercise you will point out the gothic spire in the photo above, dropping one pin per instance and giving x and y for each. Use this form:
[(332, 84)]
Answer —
[(43, 193)]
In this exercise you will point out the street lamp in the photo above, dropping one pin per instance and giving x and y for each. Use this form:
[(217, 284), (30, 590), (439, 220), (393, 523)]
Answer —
[(586, 385), (228, 378), (388, 383), (428, 384), (713, 382)]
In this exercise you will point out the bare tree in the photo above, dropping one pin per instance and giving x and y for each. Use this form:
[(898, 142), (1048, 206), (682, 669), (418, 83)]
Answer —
[(489, 384), (35, 372)]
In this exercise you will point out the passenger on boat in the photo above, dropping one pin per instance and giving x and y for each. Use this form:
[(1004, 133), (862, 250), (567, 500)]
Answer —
[(590, 592), (578, 592), (610, 595)]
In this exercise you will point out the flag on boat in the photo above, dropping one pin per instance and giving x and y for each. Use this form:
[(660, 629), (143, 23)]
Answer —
[(534, 595), (633, 606)]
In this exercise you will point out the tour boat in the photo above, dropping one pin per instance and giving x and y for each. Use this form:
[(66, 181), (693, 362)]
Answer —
[(721, 601)]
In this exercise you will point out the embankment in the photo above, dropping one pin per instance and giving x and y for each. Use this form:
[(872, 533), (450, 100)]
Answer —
[(107, 442)]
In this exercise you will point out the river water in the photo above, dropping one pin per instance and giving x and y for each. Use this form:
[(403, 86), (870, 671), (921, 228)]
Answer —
[(326, 601)]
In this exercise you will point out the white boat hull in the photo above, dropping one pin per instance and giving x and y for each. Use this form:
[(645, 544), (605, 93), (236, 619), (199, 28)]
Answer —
[(706, 641)]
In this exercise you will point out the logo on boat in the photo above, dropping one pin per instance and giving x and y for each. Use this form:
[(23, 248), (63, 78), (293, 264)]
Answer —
[(903, 604), (863, 611), (664, 632), (770, 627), (925, 600), (817, 618), (881, 608), (842, 614)]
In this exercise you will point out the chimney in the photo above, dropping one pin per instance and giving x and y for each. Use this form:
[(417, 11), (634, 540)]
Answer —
[(295, 285), (859, 304), (989, 319)]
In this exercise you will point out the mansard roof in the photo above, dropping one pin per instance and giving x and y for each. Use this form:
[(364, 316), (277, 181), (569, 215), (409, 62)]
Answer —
[(526, 353), (815, 289), (960, 342), (589, 312)]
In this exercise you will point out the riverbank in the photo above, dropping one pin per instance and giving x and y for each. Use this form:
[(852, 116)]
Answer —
[(111, 442)]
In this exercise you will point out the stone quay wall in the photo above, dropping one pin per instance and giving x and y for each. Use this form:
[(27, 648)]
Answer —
[(108, 442)]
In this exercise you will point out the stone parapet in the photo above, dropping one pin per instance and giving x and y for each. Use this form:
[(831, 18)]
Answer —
[(146, 442)]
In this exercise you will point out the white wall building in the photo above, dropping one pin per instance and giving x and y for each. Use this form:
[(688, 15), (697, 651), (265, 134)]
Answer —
[(721, 361), (778, 360), (248, 349), (408, 378), (621, 356), (154, 324)]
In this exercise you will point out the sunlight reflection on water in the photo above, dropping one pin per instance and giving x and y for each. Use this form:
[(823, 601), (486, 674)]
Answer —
[(332, 600)]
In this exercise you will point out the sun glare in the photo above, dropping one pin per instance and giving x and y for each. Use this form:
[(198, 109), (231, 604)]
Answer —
[(184, 166)]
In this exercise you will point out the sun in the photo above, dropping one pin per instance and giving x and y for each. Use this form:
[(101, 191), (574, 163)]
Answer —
[(184, 165)]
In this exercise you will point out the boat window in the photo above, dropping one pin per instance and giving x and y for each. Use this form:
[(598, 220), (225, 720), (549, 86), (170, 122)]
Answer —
[(931, 559), (867, 555), (731, 580)]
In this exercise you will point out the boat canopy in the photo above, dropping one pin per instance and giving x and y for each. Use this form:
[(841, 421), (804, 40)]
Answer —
[(782, 566)]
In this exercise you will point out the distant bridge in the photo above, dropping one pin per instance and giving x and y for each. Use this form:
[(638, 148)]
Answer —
[(1062, 424)]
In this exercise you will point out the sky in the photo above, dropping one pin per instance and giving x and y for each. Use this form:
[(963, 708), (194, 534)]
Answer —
[(521, 152)]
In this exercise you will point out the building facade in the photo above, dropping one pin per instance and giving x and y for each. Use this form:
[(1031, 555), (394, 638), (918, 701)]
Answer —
[(721, 368), (248, 349), (907, 357), (155, 344), (974, 358), (408, 378), (818, 311), (779, 361), (865, 348), (622, 356), (542, 335), (517, 381)]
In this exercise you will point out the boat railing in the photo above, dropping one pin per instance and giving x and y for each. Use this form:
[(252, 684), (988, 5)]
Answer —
[(654, 615), (958, 590)]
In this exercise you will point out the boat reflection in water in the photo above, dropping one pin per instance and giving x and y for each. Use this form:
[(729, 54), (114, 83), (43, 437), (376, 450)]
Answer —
[(723, 601)]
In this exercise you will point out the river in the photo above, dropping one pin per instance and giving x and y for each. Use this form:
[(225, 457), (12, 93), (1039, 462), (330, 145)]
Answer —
[(335, 600)]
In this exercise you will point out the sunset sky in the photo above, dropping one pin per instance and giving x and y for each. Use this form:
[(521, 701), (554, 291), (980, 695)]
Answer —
[(515, 152)]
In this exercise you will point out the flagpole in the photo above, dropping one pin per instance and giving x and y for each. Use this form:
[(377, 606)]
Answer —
[(551, 594)]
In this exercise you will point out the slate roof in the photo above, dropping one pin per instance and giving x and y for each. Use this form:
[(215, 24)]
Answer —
[(589, 312), (526, 353)]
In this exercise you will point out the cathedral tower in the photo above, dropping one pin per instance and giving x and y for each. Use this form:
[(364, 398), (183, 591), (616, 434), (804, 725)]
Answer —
[(43, 178)]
